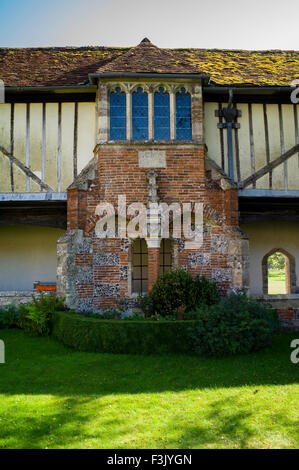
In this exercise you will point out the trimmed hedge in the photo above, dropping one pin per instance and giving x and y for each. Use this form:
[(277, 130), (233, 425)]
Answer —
[(122, 337)]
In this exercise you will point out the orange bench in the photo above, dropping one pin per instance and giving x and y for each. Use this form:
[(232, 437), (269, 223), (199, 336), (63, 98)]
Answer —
[(44, 286)]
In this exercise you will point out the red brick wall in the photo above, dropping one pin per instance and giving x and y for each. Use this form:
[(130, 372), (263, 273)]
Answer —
[(184, 180)]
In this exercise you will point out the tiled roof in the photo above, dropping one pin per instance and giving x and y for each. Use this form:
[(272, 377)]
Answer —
[(71, 66), (147, 58)]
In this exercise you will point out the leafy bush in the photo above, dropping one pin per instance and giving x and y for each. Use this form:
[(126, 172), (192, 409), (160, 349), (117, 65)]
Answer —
[(120, 336), (237, 324), (206, 292), (276, 261), (35, 318), (9, 316), (115, 313), (176, 292)]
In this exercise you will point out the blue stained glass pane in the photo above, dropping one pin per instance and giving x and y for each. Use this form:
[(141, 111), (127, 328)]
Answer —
[(183, 116), (161, 115), (117, 134), (118, 123), (139, 115)]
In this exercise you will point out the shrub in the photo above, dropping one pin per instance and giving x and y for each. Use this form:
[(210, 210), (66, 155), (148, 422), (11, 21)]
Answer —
[(115, 313), (35, 318), (121, 336), (176, 292), (237, 324), (206, 291), (9, 316)]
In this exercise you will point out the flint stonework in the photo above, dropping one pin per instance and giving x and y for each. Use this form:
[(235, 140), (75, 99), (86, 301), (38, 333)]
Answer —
[(106, 259), (199, 259), (107, 290)]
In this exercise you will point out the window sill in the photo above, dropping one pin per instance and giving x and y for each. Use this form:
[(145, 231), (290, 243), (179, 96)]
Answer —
[(151, 142)]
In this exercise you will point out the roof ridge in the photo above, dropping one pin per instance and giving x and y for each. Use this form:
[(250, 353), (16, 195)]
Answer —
[(146, 57)]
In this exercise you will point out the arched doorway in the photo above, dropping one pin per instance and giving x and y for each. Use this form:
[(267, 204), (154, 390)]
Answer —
[(279, 276)]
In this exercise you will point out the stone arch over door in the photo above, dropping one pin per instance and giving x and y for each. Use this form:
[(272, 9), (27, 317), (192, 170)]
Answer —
[(289, 269)]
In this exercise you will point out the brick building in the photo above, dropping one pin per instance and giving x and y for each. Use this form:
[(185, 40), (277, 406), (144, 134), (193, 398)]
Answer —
[(80, 127)]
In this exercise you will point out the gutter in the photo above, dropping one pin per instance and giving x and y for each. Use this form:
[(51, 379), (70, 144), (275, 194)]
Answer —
[(220, 90), (93, 77), (52, 89)]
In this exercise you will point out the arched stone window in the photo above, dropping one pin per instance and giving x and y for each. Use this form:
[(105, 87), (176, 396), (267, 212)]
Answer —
[(286, 283), (139, 115), (161, 115), (117, 115), (183, 115)]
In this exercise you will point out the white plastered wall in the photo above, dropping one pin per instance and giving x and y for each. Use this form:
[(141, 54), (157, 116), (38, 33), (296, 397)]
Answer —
[(27, 254)]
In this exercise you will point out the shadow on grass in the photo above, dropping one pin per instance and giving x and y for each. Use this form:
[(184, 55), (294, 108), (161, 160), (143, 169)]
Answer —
[(42, 365), (224, 423), (56, 397)]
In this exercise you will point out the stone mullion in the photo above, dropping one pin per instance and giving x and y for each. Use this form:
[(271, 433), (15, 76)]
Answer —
[(103, 113), (172, 115), (197, 113), (129, 114), (150, 115)]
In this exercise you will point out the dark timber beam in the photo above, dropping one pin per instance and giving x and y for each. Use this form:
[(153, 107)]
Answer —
[(266, 208), (39, 213), (25, 170), (269, 167)]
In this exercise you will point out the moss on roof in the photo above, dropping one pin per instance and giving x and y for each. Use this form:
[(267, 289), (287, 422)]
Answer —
[(53, 66), (239, 67)]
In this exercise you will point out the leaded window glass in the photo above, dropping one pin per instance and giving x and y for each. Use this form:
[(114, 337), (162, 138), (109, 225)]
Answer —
[(183, 115), (165, 256), (140, 263), (161, 115), (139, 115), (118, 115)]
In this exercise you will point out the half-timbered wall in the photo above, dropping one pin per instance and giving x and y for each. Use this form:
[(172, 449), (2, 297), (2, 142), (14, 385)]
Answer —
[(54, 141), (266, 132)]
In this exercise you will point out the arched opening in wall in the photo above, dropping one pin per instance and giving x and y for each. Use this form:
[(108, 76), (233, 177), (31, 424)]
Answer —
[(278, 272)]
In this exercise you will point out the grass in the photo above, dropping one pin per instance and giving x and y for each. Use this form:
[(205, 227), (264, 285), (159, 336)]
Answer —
[(53, 397), (276, 282)]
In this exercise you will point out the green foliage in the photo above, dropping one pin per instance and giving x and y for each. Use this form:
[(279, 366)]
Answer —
[(237, 324), (176, 291), (205, 292), (276, 261), (35, 318), (108, 314), (9, 316), (115, 313), (122, 336)]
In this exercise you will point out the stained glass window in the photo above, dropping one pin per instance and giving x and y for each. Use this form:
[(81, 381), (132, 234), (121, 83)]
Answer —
[(118, 115), (139, 115), (161, 115), (183, 115)]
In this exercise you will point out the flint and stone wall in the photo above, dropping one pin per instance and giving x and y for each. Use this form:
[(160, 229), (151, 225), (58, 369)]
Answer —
[(93, 273)]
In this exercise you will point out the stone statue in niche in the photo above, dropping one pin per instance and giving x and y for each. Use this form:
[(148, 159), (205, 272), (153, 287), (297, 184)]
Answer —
[(152, 186)]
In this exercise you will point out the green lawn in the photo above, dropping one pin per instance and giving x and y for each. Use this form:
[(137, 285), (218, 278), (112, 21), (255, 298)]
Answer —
[(276, 282), (52, 397)]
